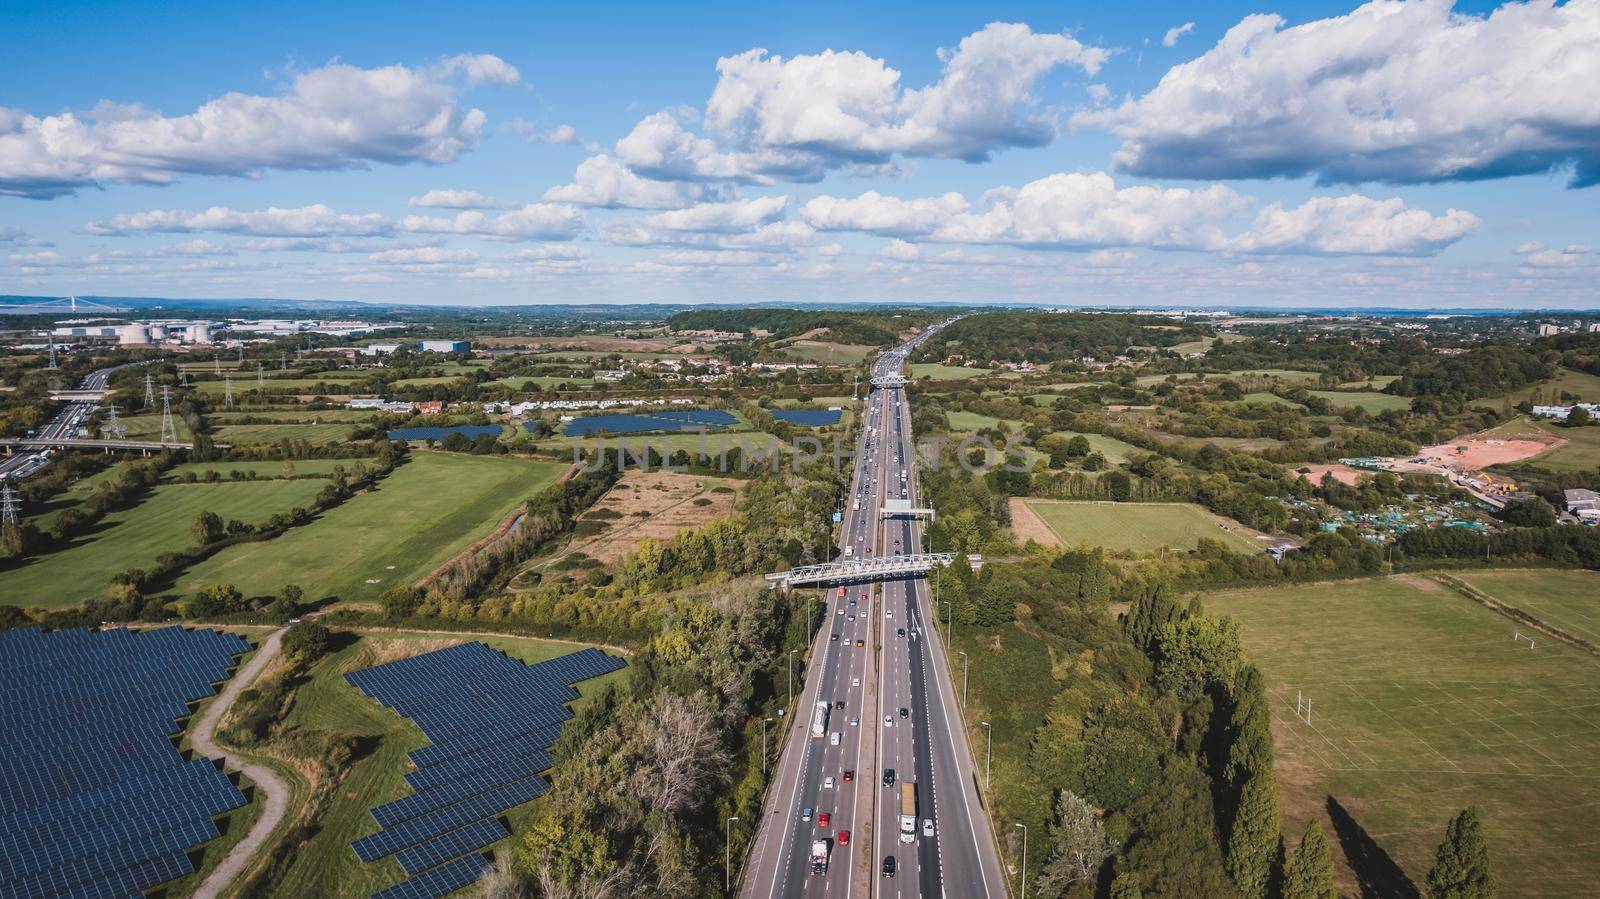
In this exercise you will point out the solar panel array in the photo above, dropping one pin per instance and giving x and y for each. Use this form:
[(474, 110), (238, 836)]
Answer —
[(490, 721), (811, 418), (94, 798), (644, 422)]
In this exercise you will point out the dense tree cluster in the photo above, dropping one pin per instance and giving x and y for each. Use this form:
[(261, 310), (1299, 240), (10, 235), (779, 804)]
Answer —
[(1050, 336)]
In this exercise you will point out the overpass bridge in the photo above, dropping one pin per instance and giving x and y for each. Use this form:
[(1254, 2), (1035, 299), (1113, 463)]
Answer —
[(846, 571), (79, 396), (891, 381), (11, 444)]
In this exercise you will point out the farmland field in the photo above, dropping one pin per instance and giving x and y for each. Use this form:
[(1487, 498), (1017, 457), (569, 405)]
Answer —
[(330, 385), (1137, 527), (826, 352), (134, 537), (301, 467), (1365, 399), (1581, 452), (148, 427), (1568, 600), (318, 434), (972, 421), (417, 518), (651, 505), (1584, 386), (325, 866), (1115, 451), (941, 372), (1423, 704)]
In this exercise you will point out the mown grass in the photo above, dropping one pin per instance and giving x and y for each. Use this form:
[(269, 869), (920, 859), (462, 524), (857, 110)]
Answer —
[(420, 516), (1422, 704), (1137, 527), (1568, 600), (224, 470), (316, 434), (1365, 399), (941, 372), (828, 352), (134, 537)]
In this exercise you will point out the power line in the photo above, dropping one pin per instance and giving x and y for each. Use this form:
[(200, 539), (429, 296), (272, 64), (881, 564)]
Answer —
[(9, 504), (169, 431), (227, 386), (116, 429), (149, 392)]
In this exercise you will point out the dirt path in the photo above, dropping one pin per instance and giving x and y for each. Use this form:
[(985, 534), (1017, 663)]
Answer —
[(266, 780), (1027, 524)]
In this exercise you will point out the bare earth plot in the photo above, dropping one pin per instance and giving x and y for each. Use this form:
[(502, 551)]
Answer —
[(1423, 703), (1135, 527), (652, 505)]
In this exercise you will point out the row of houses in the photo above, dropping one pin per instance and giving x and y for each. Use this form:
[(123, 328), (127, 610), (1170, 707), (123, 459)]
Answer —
[(525, 408), (1560, 413)]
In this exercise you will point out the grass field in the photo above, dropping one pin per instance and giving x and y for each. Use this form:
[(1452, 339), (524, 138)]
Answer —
[(292, 415), (148, 427), (1137, 527), (1584, 386), (830, 353), (516, 381), (1371, 401), (419, 517), (1269, 399), (317, 434), (1115, 451), (301, 467), (972, 421), (1282, 374), (1581, 452), (247, 381), (1568, 600), (325, 866), (134, 537), (940, 372), (71, 498), (1423, 704)]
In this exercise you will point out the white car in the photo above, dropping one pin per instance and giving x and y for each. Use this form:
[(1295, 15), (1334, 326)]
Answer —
[(887, 721), (827, 783), (833, 739), (855, 681), (855, 720), (888, 613), (927, 825)]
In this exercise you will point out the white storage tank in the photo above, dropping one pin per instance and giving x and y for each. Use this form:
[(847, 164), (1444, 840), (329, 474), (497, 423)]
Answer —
[(135, 334), (198, 332)]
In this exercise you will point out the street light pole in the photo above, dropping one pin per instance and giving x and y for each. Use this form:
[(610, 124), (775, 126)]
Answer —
[(727, 862), (987, 755), (963, 680), (1024, 859)]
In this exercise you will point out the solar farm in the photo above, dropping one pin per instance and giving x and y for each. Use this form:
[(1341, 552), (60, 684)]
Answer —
[(647, 422), (490, 721), (95, 799), (811, 418)]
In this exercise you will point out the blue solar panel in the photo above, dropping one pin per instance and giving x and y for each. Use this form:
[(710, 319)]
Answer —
[(490, 721), (440, 881), (94, 798)]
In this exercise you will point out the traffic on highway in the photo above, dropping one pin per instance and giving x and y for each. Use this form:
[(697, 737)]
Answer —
[(874, 794), (65, 424)]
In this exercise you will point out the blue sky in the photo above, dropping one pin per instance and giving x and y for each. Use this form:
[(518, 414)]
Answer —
[(1392, 154)]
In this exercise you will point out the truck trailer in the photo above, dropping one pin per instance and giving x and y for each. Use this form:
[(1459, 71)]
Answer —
[(908, 812)]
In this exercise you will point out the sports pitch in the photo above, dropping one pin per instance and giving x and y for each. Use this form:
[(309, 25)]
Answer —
[(1137, 527), (1422, 702)]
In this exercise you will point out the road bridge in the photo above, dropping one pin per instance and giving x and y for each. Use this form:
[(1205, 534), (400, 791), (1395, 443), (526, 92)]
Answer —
[(853, 571)]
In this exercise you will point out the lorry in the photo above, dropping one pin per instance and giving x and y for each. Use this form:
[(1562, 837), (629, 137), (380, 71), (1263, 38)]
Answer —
[(908, 812), (819, 721), (819, 856)]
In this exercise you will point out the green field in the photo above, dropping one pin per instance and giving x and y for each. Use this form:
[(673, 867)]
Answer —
[(829, 353), (972, 421), (1423, 704), (1115, 451), (1282, 374), (302, 467), (516, 381), (1365, 399), (247, 381), (1567, 600), (425, 382), (1584, 386), (134, 537), (317, 434), (940, 372), (1269, 399), (325, 866), (419, 517), (71, 498), (1148, 380), (292, 415), (1581, 452), (148, 427), (1138, 527)]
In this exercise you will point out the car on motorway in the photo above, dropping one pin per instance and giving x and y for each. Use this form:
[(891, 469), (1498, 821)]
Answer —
[(827, 782), (905, 712), (898, 632), (840, 611), (888, 866), (855, 720), (888, 613), (844, 838), (835, 638), (888, 777), (841, 593), (860, 642), (888, 721), (855, 681), (838, 703), (850, 617), (833, 739), (805, 813), (849, 775), (927, 827)]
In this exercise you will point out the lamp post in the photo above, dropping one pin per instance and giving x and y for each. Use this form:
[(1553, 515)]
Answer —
[(1024, 859), (764, 747), (987, 755), (963, 680), (727, 862)]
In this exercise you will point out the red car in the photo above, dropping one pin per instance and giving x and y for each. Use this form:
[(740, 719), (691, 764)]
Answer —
[(849, 775), (844, 838), (822, 819), (841, 593)]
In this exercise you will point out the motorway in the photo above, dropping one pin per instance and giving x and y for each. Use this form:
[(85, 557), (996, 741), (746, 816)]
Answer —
[(65, 424), (899, 665)]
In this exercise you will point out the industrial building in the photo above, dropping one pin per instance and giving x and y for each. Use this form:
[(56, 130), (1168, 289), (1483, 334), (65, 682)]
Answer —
[(142, 333), (445, 346)]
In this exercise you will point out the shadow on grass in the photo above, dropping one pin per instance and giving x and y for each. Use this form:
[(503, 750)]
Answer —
[(1377, 873)]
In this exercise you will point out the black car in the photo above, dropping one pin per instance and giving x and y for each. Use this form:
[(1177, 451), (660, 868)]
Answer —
[(835, 638), (888, 866), (888, 777), (838, 703), (905, 712), (898, 632)]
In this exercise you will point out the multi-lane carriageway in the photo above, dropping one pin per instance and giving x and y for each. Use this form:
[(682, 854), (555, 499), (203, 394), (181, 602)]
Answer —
[(874, 656)]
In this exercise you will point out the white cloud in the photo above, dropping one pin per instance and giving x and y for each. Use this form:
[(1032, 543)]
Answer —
[(456, 199), (831, 249), (535, 221), (307, 221), (425, 255), (1536, 255), (605, 182), (734, 215), (714, 258), (1172, 35), (1354, 225), (19, 238), (1529, 246), (1088, 211), (1400, 92), (337, 116), (1110, 258), (660, 148), (901, 251), (883, 215)]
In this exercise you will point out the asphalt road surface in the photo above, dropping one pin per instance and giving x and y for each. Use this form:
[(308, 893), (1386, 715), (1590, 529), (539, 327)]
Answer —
[(948, 850), (65, 425)]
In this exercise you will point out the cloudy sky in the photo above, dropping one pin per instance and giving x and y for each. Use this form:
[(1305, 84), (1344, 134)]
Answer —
[(1390, 154)]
